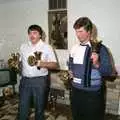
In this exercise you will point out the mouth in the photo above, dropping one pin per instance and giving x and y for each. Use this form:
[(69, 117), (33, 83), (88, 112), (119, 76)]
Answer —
[(32, 38)]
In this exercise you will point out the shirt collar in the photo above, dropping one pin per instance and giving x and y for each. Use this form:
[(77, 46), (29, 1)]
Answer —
[(87, 43)]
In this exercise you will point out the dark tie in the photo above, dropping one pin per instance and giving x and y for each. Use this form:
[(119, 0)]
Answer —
[(87, 80)]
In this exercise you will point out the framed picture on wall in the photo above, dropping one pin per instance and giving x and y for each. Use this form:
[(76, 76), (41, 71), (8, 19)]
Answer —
[(57, 21)]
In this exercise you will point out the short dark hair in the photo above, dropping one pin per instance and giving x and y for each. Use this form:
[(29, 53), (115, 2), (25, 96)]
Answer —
[(83, 22), (36, 28)]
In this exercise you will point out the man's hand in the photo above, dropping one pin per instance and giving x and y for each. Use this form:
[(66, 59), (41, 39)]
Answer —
[(48, 65), (38, 63), (95, 59), (70, 74)]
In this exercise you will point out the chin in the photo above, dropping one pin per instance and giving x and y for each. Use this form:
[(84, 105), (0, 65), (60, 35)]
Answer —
[(82, 41), (33, 41)]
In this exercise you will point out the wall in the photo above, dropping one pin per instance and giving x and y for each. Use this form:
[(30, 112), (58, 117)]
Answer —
[(105, 14), (15, 17)]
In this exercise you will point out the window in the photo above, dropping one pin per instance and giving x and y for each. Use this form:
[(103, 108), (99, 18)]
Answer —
[(57, 4)]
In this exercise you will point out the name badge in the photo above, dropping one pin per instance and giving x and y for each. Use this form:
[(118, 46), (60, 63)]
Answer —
[(77, 80)]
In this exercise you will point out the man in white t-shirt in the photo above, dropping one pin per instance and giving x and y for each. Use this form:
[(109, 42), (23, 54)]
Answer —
[(34, 81)]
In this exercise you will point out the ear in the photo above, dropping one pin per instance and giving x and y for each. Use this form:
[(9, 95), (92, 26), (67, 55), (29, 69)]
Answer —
[(40, 36), (89, 32)]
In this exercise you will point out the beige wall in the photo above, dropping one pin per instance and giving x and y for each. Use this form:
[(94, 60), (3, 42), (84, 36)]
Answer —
[(15, 17), (105, 14)]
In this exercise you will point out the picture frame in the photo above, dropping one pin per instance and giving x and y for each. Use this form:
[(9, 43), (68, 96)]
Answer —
[(57, 21)]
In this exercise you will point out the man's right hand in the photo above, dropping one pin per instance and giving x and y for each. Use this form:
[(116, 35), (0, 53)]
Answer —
[(70, 74)]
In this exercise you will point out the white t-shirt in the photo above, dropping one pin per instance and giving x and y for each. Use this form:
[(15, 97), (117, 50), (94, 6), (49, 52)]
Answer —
[(27, 50)]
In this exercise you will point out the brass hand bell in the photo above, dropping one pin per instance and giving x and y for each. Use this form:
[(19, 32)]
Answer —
[(32, 60), (13, 62)]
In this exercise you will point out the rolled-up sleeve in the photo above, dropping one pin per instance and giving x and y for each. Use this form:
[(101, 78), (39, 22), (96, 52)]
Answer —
[(51, 55)]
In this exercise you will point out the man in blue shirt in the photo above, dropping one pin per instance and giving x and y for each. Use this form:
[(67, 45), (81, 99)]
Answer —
[(88, 68)]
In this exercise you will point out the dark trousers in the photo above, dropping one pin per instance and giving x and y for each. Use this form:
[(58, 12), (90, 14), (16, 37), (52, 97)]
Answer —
[(34, 88), (87, 105)]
